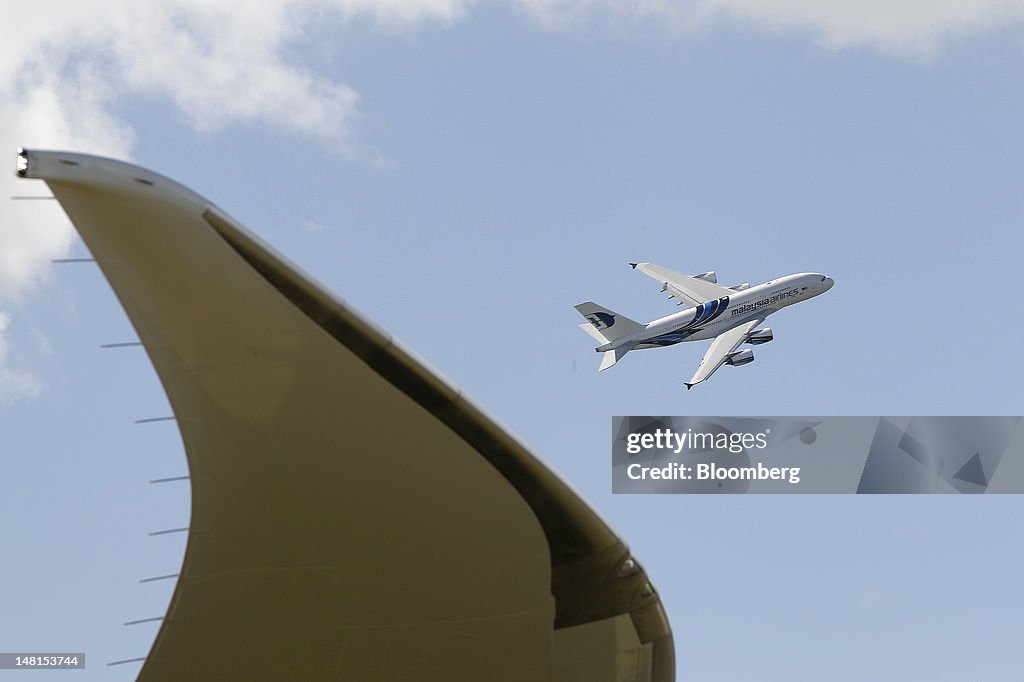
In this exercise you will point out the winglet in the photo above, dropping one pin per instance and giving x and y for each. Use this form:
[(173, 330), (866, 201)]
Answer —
[(689, 386), (633, 265)]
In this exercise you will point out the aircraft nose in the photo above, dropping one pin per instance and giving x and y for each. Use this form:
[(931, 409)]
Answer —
[(828, 283)]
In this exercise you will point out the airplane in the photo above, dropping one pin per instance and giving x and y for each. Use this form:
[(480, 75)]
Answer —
[(729, 315)]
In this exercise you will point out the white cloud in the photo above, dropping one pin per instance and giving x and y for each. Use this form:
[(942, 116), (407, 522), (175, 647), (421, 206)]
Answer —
[(13, 383), (914, 27), (908, 27), (310, 225), (65, 64)]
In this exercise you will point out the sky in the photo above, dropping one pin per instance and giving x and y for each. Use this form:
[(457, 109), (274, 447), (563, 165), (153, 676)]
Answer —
[(464, 173)]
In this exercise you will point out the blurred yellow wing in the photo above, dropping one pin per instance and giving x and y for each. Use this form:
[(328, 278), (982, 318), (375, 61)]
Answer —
[(354, 516)]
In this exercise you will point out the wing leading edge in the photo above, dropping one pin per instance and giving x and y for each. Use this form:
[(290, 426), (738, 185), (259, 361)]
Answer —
[(354, 515), (688, 289), (719, 351)]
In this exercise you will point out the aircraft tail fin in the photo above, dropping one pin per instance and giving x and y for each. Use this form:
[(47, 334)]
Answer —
[(605, 325)]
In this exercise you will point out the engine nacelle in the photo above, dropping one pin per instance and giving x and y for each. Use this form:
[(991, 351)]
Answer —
[(740, 287), (740, 357), (708, 276), (759, 336)]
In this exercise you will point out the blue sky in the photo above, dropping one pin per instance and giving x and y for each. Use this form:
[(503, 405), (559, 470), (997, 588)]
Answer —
[(464, 174)]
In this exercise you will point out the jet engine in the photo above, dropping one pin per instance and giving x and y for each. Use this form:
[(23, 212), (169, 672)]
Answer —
[(740, 287), (740, 357), (708, 276), (759, 336)]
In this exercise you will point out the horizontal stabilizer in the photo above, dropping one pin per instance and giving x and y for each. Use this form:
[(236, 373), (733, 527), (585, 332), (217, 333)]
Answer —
[(613, 356)]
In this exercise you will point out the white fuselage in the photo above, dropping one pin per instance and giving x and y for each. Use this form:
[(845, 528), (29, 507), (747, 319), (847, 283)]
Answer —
[(712, 318)]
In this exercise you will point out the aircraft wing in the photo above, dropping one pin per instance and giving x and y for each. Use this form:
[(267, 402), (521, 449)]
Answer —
[(686, 288), (720, 348), (354, 515)]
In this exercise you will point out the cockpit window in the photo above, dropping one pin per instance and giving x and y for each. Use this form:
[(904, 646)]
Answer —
[(823, 279)]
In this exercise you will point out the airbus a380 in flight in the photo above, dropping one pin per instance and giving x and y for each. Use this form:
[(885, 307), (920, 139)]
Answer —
[(729, 315)]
